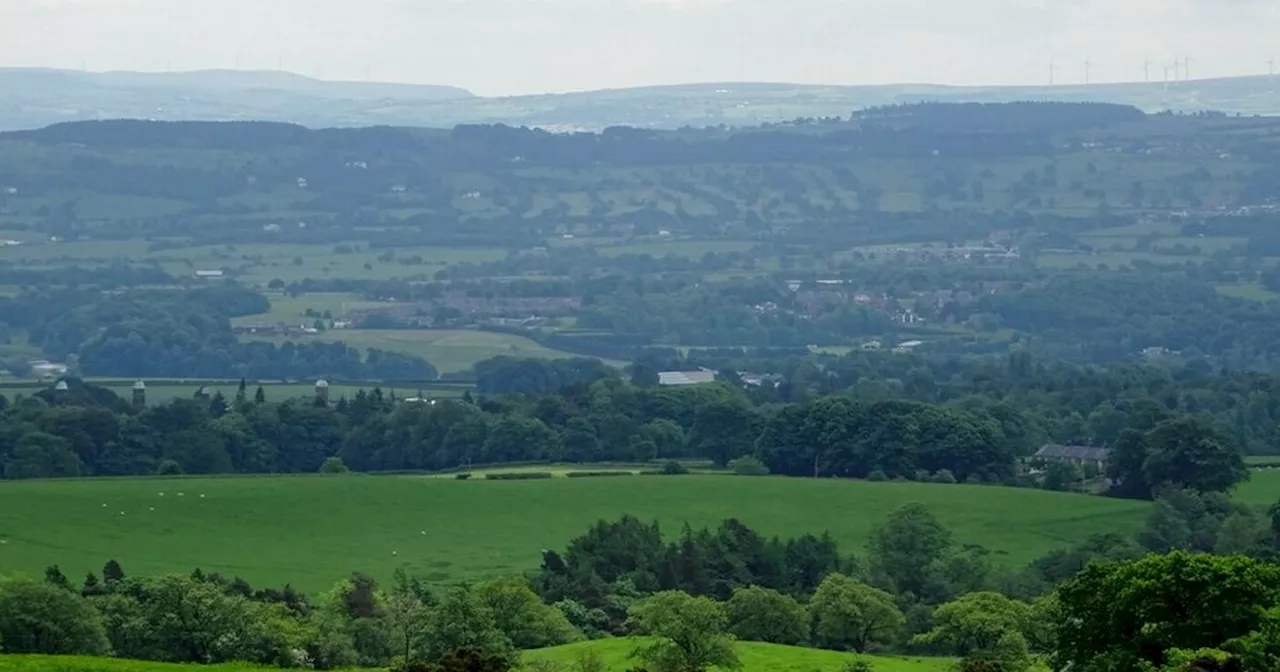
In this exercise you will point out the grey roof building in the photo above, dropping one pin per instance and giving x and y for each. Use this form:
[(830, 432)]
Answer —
[(675, 378), (1077, 454)]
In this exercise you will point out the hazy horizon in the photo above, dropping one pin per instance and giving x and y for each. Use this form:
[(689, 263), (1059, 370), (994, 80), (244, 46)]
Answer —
[(511, 47)]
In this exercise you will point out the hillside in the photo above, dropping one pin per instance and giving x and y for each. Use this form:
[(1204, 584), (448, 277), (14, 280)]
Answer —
[(276, 530), (755, 657), (38, 97)]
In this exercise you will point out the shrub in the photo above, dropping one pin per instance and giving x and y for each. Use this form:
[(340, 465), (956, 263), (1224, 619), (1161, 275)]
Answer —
[(748, 465), (334, 465), (462, 477), (877, 476), (594, 474), (973, 479), (858, 665), (518, 476), (673, 468), (944, 476), (168, 468), (922, 476)]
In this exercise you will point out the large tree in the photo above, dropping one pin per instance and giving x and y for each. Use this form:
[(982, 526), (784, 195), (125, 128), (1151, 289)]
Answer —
[(1191, 453), (1118, 616), (759, 614), (38, 617), (850, 615), (907, 549), (689, 634)]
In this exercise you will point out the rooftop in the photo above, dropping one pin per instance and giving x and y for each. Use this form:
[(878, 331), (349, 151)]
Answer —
[(670, 378), (1083, 453)]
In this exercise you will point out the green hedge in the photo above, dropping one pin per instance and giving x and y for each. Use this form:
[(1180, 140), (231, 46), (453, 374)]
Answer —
[(593, 474), (518, 476)]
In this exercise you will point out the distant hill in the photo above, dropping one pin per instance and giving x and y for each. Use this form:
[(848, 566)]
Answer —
[(38, 97), (35, 97)]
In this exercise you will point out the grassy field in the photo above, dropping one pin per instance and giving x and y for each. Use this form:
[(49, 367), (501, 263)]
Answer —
[(1262, 488), (14, 663), (614, 653), (755, 657), (311, 531), (448, 349), (162, 391)]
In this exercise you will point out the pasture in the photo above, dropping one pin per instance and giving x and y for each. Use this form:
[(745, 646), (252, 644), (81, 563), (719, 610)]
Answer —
[(161, 391), (312, 530), (450, 350), (25, 663), (755, 657)]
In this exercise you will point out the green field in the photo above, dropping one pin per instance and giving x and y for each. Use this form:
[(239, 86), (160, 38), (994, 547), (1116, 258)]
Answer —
[(14, 663), (311, 531), (450, 350), (162, 391), (614, 653), (755, 657), (1263, 486)]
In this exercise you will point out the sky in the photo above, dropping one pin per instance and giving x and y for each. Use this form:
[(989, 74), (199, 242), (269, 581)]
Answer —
[(508, 47)]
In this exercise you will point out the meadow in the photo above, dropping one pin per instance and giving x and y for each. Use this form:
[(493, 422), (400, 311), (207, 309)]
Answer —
[(755, 657), (450, 350), (311, 530), (614, 653), (161, 391)]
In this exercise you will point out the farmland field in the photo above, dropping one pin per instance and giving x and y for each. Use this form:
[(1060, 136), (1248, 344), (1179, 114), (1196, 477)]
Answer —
[(163, 391), (755, 657), (449, 350), (614, 653), (15, 663), (311, 531)]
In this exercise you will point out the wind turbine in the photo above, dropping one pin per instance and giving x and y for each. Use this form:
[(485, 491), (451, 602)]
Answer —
[(1053, 70), (1186, 68), (1088, 69), (1146, 70)]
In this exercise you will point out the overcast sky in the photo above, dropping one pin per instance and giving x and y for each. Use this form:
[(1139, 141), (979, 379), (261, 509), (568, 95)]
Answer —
[(496, 47)]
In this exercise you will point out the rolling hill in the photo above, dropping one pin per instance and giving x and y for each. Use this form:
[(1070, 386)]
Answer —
[(39, 97)]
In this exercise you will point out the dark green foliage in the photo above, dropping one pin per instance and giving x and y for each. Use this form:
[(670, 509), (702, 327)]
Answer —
[(673, 468), (519, 476), (1115, 616), (597, 474)]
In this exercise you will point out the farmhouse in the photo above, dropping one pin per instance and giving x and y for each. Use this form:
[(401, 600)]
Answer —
[(1079, 455), (679, 378)]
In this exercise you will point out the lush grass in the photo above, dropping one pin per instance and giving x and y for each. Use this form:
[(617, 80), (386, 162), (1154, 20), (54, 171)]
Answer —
[(165, 390), (14, 663), (448, 349), (1262, 488), (755, 657), (311, 531)]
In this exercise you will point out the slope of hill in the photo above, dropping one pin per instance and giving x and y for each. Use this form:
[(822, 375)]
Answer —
[(755, 657), (276, 530), (38, 97)]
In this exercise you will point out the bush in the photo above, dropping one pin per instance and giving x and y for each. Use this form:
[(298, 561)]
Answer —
[(518, 476), (673, 468), (877, 476), (922, 476), (461, 477), (334, 465), (168, 468), (973, 479), (594, 474), (858, 665), (944, 476), (748, 465)]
